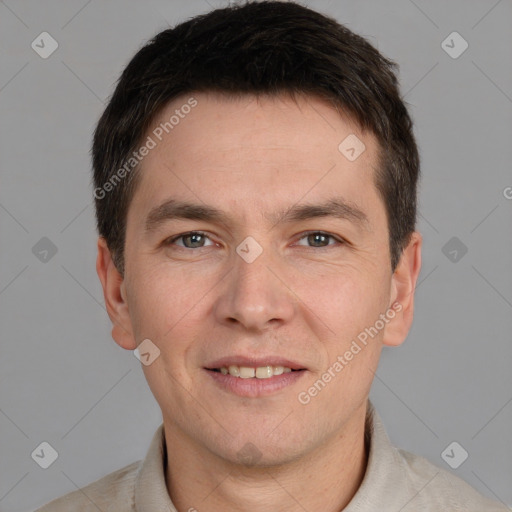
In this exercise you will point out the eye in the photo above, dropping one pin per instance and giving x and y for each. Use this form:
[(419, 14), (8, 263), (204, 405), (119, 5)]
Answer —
[(192, 240), (195, 239), (320, 237)]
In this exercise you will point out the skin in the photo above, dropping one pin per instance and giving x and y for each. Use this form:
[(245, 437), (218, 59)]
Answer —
[(303, 298)]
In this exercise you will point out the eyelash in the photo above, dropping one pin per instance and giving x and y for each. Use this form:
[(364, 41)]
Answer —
[(171, 241)]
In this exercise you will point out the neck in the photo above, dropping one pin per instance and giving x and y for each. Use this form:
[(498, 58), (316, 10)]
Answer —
[(326, 478)]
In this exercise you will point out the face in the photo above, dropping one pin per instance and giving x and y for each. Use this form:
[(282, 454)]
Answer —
[(265, 281)]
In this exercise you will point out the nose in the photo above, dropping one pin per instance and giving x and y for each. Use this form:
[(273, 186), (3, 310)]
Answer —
[(256, 295)]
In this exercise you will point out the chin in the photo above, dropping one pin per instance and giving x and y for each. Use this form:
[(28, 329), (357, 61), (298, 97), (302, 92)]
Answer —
[(260, 451)]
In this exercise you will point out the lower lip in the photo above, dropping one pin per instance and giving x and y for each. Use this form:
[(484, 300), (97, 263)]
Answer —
[(255, 387)]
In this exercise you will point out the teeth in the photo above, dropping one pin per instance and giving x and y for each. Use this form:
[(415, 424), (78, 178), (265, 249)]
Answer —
[(262, 372), (246, 373), (234, 370), (278, 370)]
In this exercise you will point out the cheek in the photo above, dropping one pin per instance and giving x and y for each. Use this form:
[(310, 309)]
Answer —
[(162, 301), (165, 308), (346, 297), (343, 309)]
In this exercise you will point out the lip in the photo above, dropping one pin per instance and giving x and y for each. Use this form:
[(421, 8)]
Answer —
[(255, 362), (254, 387)]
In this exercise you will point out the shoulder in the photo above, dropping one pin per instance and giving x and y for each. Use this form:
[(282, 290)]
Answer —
[(113, 492), (438, 489)]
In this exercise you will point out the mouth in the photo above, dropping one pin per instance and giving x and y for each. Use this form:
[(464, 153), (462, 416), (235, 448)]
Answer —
[(260, 372), (254, 378)]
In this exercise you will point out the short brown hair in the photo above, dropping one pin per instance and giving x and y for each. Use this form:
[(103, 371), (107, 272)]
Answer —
[(267, 47)]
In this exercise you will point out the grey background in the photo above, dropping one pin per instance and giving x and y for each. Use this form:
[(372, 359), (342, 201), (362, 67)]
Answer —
[(62, 378)]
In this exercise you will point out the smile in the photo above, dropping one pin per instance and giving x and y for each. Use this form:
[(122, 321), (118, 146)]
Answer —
[(254, 382), (246, 372)]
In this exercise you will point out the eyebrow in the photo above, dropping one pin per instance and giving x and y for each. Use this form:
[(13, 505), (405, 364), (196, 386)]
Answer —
[(335, 207)]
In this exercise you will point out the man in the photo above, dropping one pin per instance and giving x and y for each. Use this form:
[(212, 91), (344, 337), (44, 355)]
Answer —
[(255, 181)]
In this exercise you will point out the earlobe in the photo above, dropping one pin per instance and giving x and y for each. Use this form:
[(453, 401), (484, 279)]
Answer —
[(402, 292), (115, 297)]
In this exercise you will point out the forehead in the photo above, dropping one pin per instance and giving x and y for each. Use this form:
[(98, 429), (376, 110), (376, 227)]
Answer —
[(255, 152), (259, 121)]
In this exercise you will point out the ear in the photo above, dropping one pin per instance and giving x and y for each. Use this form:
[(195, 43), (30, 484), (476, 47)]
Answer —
[(403, 284), (115, 297)]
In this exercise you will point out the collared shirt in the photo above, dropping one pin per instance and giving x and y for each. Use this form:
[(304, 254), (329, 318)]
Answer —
[(394, 481)]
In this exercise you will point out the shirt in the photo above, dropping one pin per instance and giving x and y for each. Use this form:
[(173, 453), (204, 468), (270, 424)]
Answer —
[(394, 481)]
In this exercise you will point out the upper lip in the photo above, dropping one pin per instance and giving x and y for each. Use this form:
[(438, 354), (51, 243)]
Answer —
[(254, 362)]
